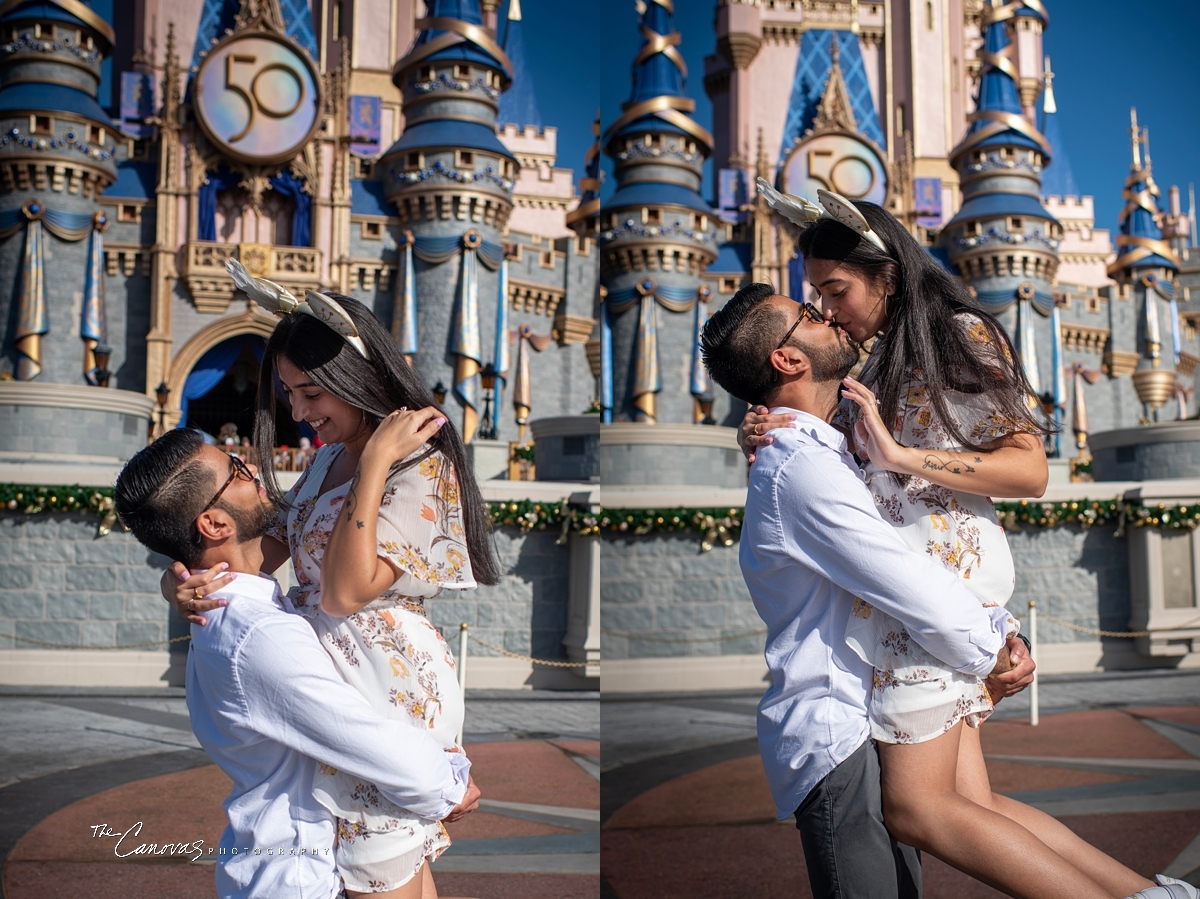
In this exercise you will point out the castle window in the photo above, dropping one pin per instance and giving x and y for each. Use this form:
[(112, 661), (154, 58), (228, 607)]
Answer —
[(96, 135), (691, 147), (729, 285), (1016, 224), (365, 168), (43, 124), (971, 229), (141, 150), (1092, 303), (129, 213), (462, 72), (1007, 153), (336, 29), (703, 223), (413, 162), (464, 159), (427, 73), (929, 15), (651, 216), (372, 230)]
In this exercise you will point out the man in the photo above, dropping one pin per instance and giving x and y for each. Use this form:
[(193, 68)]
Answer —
[(811, 542), (265, 700)]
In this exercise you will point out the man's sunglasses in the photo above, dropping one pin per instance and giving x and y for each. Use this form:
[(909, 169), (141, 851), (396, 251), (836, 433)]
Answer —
[(809, 311), (240, 470)]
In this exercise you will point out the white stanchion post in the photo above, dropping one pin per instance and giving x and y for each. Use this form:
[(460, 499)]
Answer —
[(462, 673), (1033, 651)]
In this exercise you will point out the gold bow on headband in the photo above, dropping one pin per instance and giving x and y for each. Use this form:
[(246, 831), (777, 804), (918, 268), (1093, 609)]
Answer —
[(800, 211), (278, 299)]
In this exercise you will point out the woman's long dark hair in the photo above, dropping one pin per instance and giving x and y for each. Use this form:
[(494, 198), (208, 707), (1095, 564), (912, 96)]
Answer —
[(378, 387), (920, 333)]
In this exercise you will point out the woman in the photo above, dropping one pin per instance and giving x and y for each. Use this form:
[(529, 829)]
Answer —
[(942, 419), (398, 525)]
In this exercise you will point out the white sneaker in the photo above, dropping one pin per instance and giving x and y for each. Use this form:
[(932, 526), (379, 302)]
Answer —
[(1175, 889), (1164, 880)]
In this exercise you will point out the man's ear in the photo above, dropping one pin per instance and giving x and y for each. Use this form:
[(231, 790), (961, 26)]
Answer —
[(215, 524), (789, 361)]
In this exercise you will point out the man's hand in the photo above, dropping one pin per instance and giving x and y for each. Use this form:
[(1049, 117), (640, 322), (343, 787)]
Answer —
[(1013, 672), (470, 802)]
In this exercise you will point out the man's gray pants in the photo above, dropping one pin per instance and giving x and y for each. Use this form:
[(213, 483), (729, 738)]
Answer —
[(849, 853)]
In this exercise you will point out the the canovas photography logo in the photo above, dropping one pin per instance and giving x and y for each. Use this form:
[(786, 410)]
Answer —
[(129, 843)]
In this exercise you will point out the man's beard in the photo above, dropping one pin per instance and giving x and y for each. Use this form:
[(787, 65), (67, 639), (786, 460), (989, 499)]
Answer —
[(250, 524), (831, 363)]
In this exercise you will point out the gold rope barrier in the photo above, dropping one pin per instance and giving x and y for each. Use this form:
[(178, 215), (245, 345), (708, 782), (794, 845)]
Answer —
[(1100, 633), (547, 662), (77, 646)]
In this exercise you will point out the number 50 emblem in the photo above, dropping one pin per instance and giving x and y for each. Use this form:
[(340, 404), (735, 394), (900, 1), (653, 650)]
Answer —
[(258, 97)]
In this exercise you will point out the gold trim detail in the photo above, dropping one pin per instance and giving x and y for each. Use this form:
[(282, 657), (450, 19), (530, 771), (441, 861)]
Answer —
[(75, 8), (661, 43), (459, 31), (669, 109)]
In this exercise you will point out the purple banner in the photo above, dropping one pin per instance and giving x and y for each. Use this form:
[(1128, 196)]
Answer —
[(137, 103), (928, 195), (365, 131)]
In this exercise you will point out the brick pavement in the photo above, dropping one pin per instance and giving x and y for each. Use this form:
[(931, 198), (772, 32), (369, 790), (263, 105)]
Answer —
[(73, 759), (687, 811)]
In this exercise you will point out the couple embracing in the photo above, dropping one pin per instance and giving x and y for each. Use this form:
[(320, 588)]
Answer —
[(334, 709), (883, 587)]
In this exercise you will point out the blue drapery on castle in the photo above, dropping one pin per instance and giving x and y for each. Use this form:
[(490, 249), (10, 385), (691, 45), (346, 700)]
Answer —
[(812, 71), (285, 183), (212, 368)]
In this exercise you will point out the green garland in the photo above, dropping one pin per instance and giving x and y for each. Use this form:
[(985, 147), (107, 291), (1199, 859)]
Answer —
[(32, 500), (715, 525)]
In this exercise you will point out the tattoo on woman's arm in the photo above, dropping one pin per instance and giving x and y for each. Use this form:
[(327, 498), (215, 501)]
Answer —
[(954, 466), (351, 502)]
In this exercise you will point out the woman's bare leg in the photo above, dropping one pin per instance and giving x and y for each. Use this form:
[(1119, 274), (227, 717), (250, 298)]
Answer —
[(412, 889), (923, 808), (428, 889), (973, 783)]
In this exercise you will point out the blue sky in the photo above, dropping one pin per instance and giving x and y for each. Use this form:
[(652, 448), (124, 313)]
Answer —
[(1107, 55)]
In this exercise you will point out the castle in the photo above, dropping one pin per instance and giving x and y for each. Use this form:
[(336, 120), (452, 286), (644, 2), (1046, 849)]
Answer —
[(408, 166)]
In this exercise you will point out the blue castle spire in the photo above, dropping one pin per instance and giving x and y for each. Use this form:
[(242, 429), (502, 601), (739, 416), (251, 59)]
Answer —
[(1002, 239), (451, 181), (657, 235), (1139, 243), (518, 104), (1058, 178)]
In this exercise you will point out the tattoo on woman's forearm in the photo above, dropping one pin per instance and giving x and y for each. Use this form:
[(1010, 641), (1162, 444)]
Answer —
[(954, 466), (351, 502)]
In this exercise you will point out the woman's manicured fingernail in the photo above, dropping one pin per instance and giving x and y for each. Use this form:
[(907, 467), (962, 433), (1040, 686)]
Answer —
[(223, 602), (224, 565), (440, 422), (186, 574)]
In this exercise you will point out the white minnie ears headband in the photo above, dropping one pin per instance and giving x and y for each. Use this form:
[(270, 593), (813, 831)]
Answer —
[(801, 212), (281, 301)]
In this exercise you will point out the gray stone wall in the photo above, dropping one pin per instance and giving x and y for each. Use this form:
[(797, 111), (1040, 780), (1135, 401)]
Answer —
[(526, 612), (690, 603), (61, 584), (1147, 461), (699, 466), (667, 589), (89, 432), (1076, 574)]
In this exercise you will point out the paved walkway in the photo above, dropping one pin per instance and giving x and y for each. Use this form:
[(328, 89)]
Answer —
[(74, 759), (686, 811)]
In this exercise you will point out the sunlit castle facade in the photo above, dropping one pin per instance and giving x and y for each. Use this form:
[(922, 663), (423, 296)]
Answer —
[(945, 113)]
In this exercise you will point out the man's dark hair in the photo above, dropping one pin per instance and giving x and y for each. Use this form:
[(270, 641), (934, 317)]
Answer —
[(737, 343), (160, 493)]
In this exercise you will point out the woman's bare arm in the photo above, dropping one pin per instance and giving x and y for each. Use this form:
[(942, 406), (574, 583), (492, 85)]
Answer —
[(1013, 466), (352, 573)]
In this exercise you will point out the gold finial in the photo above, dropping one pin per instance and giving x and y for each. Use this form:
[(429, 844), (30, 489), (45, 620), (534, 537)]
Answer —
[(1048, 105), (1136, 136), (514, 11)]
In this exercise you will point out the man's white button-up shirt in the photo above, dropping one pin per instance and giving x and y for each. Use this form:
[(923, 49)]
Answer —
[(267, 705), (811, 542)]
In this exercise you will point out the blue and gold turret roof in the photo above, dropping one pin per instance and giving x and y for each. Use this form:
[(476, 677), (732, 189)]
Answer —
[(518, 104), (997, 119), (1140, 242), (1058, 178), (657, 101), (32, 94), (453, 30), (658, 105)]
